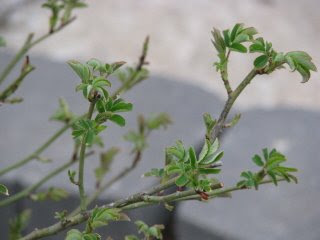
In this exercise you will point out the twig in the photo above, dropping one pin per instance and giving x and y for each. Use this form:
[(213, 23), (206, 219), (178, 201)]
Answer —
[(45, 145), (79, 218), (224, 75), (26, 69), (227, 107), (28, 44), (108, 184), (35, 153), (142, 61), (26, 192), (83, 146), (176, 195)]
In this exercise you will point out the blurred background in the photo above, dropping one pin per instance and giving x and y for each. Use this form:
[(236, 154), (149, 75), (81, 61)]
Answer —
[(277, 111), (180, 39)]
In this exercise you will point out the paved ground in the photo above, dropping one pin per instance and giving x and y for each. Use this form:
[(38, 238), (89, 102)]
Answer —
[(180, 40), (285, 212)]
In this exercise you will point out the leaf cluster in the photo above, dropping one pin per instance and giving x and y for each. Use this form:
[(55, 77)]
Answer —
[(99, 217), (102, 216), (191, 170), (231, 40), (302, 62), (271, 166), (75, 234), (270, 60), (153, 232), (87, 129), (94, 77), (108, 108)]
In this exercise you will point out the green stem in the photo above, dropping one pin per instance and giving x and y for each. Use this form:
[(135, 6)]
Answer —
[(176, 195), (35, 153), (219, 192), (231, 99), (108, 184), (83, 204), (139, 196), (224, 75), (81, 217), (26, 192), (49, 141), (26, 47), (15, 84), (23, 50)]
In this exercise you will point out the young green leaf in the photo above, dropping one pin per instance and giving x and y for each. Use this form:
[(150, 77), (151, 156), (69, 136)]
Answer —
[(96, 65), (209, 170), (238, 47), (226, 35), (122, 107), (193, 158), (4, 190), (302, 62), (182, 180), (235, 31), (102, 216), (81, 70), (118, 120), (261, 61), (257, 160), (218, 41), (74, 234), (209, 122), (131, 237), (91, 236)]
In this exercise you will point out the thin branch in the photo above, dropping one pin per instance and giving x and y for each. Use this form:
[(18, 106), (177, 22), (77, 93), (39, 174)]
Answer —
[(28, 44), (26, 192), (142, 61), (176, 195), (26, 69), (79, 218), (83, 204), (36, 153), (139, 196), (219, 192), (227, 107), (224, 75), (54, 137), (108, 184)]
